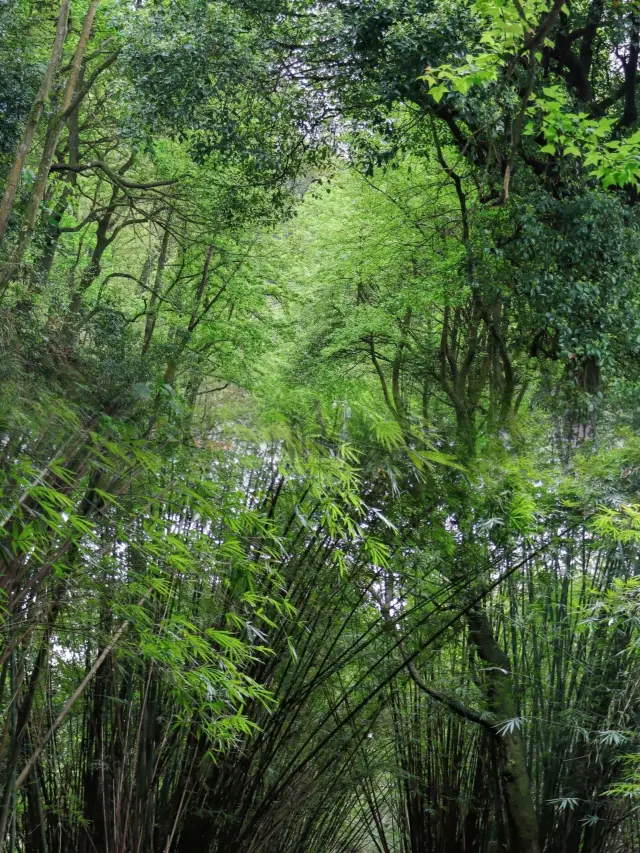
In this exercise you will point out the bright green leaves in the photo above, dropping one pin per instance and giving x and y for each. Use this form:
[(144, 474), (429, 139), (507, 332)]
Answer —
[(480, 70), (509, 26), (621, 524), (614, 162), (204, 669), (437, 90), (513, 31), (506, 29)]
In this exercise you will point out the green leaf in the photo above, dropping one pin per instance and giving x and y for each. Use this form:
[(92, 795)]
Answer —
[(437, 92)]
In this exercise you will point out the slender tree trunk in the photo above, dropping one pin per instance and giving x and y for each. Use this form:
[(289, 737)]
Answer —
[(52, 235), (35, 821), (398, 401), (93, 268), (172, 365), (154, 301), (50, 144), (34, 117)]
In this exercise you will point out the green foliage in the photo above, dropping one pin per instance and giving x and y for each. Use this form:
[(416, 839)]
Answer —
[(319, 493)]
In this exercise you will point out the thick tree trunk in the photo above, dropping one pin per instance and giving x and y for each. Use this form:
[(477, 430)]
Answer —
[(511, 754)]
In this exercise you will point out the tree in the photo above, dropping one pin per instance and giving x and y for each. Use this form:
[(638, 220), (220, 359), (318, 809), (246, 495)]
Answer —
[(318, 461)]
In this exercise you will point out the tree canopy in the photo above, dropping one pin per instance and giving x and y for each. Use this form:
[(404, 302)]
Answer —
[(319, 464)]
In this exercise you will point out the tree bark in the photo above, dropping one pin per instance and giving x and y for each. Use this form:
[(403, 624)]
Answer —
[(34, 117), (93, 268), (50, 145), (152, 315), (511, 754), (172, 365)]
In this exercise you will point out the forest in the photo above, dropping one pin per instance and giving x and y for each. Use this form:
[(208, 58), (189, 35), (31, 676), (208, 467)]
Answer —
[(319, 414)]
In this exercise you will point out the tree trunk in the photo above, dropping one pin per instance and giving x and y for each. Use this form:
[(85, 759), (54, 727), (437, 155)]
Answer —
[(50, 145), (152, 315), (52, 235), (34, 117), (511, 754), (172, 365)]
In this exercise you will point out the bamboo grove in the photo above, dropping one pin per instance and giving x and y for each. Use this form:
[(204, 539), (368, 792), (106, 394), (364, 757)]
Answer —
[(319, 455)]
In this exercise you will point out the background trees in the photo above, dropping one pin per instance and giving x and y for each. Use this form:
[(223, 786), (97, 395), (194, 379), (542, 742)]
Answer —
[(318, 454)]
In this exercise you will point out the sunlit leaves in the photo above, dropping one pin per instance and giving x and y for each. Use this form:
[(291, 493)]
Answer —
[(615, 162), (509, 727), (510, 30)]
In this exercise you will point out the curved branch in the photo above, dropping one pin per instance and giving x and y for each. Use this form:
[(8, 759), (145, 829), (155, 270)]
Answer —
[(113, 176)]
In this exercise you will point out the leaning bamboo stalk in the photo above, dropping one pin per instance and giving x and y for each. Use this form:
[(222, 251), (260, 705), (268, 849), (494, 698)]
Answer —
[(77, 693)]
